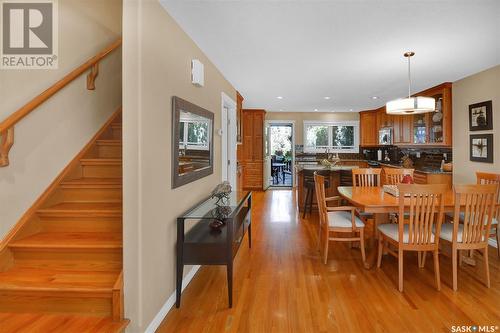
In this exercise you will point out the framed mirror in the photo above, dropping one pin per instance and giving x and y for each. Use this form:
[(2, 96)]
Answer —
[(192, 142)]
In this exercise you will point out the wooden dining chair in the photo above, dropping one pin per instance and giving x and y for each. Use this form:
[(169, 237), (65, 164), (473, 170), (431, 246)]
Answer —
[(492, 178), (394, 176), (421, 211), (366, 177), (340, 219), (478, 205)]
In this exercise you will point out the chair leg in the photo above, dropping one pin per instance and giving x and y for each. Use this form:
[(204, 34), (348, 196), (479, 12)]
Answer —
[(305, 203), (325, 255), (419, 259), (486, 266), (400, 269), (436, 269), (424, 254), (362, 243), (454, 267), (310, 204), (380, 250), (498, 242)]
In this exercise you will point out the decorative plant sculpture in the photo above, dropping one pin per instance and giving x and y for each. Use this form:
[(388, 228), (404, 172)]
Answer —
[(221, 193)]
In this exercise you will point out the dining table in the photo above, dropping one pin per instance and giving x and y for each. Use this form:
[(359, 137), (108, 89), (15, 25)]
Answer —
[(377, 202)]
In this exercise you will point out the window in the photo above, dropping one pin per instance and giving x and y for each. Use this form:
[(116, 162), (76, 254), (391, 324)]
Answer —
[(339, 137), (193, 134)]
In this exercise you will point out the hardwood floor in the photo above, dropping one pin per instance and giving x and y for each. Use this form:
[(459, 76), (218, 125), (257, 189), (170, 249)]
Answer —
[(281, 285)]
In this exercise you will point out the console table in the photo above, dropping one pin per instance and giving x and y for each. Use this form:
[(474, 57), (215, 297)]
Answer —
[(202, 245)]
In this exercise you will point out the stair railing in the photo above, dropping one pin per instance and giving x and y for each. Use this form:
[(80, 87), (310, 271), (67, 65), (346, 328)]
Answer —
[(7, 126)]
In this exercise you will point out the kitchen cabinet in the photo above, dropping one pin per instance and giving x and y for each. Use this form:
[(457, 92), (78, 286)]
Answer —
[(251, 155), (434, 128), (368, 128), (402, 130)]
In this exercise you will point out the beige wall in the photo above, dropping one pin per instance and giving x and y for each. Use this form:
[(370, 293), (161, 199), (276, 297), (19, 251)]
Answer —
[(476, 88), (156, 67), (52, 135), (299, 118)]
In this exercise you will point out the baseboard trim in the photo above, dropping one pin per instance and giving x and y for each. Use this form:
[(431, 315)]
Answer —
[(155, 323)]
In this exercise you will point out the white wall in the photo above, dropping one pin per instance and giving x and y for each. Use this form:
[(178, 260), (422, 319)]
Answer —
[(156, 67), (47, 139), (476, 88)]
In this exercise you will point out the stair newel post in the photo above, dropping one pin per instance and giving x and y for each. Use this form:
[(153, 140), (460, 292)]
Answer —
[(94, 71), (6, 142)]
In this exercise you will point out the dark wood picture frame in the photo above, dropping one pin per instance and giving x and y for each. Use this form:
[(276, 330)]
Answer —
[(489, 148), (179, 104), (486, 116)]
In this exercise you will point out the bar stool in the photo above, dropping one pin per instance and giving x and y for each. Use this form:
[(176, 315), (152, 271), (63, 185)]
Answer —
[(309, 186)]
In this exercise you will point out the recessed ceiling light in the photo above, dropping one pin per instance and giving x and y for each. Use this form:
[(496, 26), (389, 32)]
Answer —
[(327, 97), (279, 97), (374, 97), (315, 109), (281, 109), (350, 109)]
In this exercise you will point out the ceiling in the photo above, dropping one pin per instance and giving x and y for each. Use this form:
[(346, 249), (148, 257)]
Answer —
[(350, 51)]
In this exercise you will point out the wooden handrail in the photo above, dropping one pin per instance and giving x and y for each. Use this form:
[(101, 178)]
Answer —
[(7, 126)]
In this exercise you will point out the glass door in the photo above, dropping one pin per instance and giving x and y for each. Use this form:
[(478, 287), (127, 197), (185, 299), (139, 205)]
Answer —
[(436, 122), (419, 128)]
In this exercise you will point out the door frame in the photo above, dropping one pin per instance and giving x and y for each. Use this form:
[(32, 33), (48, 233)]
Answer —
[(228, 139), (284, 122)]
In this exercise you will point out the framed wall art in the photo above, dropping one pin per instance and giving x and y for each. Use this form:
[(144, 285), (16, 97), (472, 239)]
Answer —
[(480, 116), (481, 148)]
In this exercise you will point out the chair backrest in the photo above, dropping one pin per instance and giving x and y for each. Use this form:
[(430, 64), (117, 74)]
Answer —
[(477, 202), (319, 185), (394, 176), (423, 206), (366, 177), (491, 178)]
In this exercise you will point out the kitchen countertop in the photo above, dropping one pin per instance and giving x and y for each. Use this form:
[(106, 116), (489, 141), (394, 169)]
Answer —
[(422, 170), (347, 167), (299, 168)]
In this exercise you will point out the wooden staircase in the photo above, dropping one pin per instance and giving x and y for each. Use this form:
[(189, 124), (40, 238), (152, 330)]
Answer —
[(61, 265)]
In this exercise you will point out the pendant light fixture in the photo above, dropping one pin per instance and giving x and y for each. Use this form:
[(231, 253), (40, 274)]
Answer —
[(410, 105)]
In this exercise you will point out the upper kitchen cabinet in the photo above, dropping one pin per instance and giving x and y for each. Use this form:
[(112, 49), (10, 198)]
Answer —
[(384, 119), (368, 128), (434, 128)]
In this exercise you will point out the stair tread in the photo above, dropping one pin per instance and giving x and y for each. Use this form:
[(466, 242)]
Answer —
[(101, 161), (102, 240), (93, 181), (21, 278), (58, 323), (109, 142)]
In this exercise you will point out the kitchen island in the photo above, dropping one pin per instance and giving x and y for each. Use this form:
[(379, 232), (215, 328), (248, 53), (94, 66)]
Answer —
[(338, 175)]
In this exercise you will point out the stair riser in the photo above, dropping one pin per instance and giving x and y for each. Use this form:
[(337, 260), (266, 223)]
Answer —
[(109, 151), (55, 302), (81, 224), (117, 133), (93, 194), (76, 256), (81, 266), (102, 171)]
